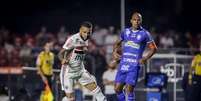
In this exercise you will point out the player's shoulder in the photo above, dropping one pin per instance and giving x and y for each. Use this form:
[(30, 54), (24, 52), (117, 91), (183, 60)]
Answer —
[(51, 54), (71, 36), (198, 55), (126, 31), (145, 31), (41, 53), (74, 36)]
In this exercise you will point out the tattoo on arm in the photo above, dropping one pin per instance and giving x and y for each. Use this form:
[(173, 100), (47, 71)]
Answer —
[(117, 45), (63, 54), (152, 50)]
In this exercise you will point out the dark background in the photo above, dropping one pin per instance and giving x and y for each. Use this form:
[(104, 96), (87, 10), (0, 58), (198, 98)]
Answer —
[(29, 15)]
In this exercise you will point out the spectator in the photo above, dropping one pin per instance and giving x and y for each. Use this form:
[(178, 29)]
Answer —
[(42, 37), (109, 43), (25, 52), (166, 41), (99, 35), (3, 57), (15, 58), (62, 35), (108, 82), (17, 42)]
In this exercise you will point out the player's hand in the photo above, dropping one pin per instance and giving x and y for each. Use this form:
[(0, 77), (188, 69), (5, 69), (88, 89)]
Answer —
[(113, 63), (143, 61), (64, 61), (116, 56)]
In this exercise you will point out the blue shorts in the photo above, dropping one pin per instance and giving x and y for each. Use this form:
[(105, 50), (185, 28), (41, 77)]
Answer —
[(128, 77)]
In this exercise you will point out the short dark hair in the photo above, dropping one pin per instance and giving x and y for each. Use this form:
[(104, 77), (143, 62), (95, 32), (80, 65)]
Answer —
[(86, 24), (46, 42)]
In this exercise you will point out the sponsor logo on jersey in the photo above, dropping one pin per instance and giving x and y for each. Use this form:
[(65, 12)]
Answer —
[(129, 60), (125, 67), (138, 37), (133, 35), (130, 54), (132, 44)]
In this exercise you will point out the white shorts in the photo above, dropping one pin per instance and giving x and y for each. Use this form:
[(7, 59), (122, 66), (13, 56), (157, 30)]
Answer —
[(68, 79)]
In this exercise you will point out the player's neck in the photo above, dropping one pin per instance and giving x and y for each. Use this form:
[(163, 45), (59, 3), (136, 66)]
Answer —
[(83, 37), (111, 69), (135, 29), (46, 51)]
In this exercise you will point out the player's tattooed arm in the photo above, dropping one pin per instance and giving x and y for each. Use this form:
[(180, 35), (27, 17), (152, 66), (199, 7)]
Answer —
[(152, 50), (117, 45), (63, 54), (116, 48)]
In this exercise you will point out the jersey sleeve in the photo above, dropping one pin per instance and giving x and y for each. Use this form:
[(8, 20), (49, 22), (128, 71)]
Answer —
[(122, 35), (193, 64), (148, 37), (39, 60), (68, 44)]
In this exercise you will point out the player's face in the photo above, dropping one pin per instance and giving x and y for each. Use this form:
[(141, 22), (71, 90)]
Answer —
[(48, 47), (136, 21), (85, 32)]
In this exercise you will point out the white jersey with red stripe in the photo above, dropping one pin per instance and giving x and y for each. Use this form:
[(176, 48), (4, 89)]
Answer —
[(78, 46)]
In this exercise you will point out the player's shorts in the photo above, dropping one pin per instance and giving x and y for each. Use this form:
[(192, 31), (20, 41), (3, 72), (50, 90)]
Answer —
[(68, 79), (128, 77)]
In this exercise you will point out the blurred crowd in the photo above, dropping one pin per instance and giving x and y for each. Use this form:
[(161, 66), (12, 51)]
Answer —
[(22, 49)]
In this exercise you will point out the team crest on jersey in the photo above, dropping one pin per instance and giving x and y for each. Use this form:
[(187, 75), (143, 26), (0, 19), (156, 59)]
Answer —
[(133, 35), (138, 37)]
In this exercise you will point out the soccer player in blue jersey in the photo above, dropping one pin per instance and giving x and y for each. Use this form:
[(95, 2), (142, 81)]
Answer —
[(133, 42)]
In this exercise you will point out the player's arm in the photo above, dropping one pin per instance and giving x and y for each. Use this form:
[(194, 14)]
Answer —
[(66, 50), (191, 70), (116, 46), (39, 62), (152, 48), (63, 54)]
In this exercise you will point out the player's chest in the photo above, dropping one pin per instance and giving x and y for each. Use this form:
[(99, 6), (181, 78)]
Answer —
[(198, 59), (135, 37), (134, 40), (80, 42)]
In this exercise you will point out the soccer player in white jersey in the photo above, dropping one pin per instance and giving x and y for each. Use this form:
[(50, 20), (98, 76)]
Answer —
[(71, 57)]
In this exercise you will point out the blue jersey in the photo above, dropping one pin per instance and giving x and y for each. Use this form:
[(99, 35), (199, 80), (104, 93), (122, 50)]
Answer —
[(134, 43)]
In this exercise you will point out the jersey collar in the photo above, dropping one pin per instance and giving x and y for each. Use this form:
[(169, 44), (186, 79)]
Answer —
[(83, 38), (134, 31)]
